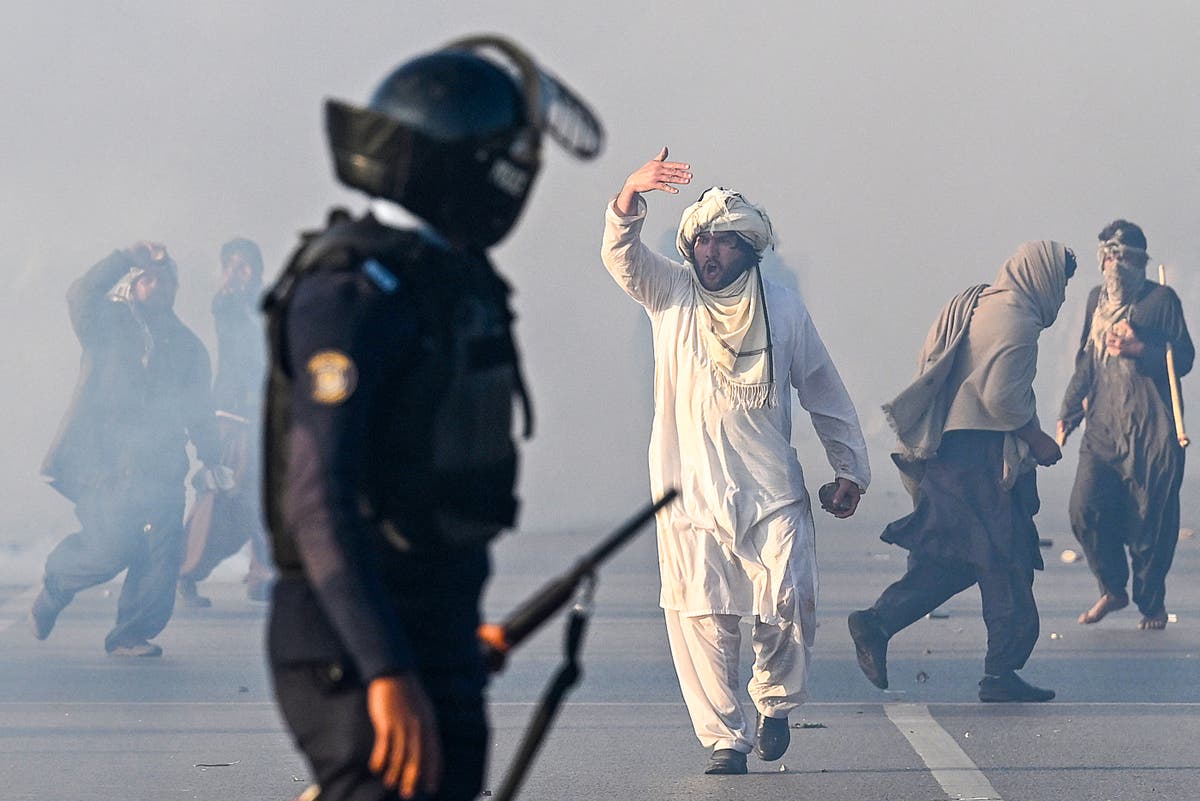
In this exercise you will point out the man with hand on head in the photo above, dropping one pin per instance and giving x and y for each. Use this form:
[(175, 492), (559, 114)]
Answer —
[(740, 543), (120, 455)]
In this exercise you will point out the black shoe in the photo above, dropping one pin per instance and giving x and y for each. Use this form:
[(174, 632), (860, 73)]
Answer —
[(726, 762), (43, 614), (1010, 687), (189, 597), (771, 738), (870, 646)]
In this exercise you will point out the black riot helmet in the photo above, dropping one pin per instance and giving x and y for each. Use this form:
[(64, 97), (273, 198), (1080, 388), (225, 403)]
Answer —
[(454, 136)]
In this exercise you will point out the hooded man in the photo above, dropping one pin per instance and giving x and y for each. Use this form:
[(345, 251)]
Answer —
[(740, 543), (1126, 493), (220, 522), (968, 442), (120, 455)]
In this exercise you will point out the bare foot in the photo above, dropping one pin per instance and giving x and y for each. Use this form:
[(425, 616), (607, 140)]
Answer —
[(1153, 622), (1107, 603)]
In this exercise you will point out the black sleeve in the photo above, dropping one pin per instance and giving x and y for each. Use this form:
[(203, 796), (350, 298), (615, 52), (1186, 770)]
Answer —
[(1184, 352), (1163, 325), (201, 415), (1080, 384), (87, 298), (341, 346)]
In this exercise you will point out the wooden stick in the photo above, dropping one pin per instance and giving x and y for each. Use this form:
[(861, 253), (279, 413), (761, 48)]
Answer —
[(1176, 401)]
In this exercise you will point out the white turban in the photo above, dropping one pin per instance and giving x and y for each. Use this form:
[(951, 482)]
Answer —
[(720, 209)]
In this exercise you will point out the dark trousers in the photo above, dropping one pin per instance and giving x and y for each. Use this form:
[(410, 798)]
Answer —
[(138, 528), (1009, 610), (326, 711), (436, 602), (1110, 513)]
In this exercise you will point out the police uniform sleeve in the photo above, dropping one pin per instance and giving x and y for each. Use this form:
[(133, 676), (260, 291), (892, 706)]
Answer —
[(340, 351)]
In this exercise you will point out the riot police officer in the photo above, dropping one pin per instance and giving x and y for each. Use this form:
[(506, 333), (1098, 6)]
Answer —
[(390, 462)]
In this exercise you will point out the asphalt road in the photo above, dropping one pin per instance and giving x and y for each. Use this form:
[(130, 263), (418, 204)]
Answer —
[(199, 723)]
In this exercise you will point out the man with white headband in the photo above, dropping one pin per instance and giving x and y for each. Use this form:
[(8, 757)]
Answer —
[(740, 542), (1126, 493)]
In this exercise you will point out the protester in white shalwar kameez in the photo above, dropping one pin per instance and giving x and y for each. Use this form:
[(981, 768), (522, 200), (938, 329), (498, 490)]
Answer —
[(740, 542)]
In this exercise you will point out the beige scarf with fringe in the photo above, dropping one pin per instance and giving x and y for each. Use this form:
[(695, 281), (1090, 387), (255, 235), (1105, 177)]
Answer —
[(732, 323), (733, 327)]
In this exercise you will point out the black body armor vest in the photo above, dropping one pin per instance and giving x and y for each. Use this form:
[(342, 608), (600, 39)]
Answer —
[(443, 463)]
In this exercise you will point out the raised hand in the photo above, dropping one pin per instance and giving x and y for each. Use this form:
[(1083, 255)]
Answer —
[(147, 254), (655, 174)]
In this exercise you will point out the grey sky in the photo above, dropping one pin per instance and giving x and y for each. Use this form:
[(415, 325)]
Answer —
[(903, 150)]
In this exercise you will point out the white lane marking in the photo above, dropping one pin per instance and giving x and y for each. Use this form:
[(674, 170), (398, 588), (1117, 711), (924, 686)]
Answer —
[(951, 767), (15, 610)]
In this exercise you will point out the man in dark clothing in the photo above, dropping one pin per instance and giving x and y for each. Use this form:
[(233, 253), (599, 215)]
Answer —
[(969, 441), (1126, 493), (120, 455), (220, 522), (389, 461)]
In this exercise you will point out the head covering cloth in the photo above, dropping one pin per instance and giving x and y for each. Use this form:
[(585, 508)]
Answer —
[(977, 366), (1124, 278), (732, 325)]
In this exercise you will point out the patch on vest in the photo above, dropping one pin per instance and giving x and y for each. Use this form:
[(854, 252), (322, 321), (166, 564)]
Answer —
[(333, 375)]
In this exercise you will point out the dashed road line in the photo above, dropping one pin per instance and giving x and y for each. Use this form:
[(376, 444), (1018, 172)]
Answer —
[(950, 766)]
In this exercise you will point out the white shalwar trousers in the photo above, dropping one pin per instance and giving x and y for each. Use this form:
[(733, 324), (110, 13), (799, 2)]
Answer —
[(706, 650)]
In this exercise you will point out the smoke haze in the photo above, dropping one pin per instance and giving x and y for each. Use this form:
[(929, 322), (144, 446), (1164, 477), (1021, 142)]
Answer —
[(903, 151)]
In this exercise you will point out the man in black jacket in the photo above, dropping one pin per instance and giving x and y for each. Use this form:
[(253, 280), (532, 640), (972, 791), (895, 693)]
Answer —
[(120, 454), (221, 522)]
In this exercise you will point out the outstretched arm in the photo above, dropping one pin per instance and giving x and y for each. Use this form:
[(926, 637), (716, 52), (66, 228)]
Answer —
[(1074, 404)]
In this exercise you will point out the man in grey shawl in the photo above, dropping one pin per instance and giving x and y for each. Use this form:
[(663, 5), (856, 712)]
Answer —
[(969, 439), (1126, 493)]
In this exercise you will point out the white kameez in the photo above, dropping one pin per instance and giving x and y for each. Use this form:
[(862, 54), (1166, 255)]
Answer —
[(734, 467)]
